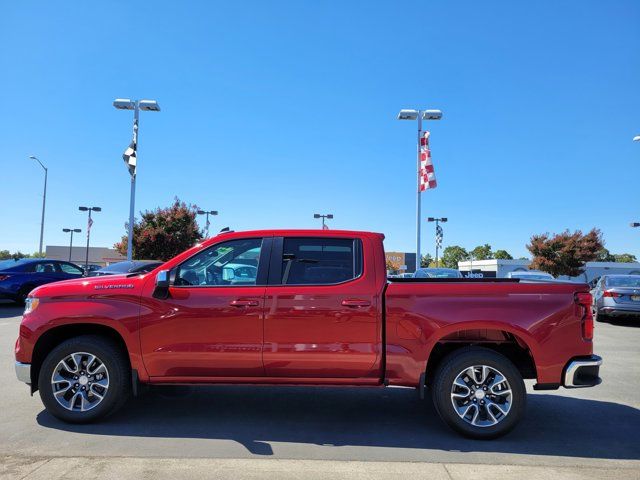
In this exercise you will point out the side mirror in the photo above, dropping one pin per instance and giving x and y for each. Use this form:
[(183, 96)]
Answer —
[(228, 274), (162, 285)]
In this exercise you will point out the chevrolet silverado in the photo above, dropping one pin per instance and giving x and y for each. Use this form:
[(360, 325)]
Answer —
[(305, 307)]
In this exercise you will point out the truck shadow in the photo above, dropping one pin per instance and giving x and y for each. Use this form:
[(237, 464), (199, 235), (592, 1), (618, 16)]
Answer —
[(392, 418)]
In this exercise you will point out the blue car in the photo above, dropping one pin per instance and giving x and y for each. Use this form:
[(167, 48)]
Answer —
[(19, 277)]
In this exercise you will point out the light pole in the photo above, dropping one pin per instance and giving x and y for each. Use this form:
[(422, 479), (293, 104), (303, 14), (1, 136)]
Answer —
[(44, 200), (89, 223), (136, 106), (71, 230), (207, 213), (323, 217), (439, 233), (419, 115)]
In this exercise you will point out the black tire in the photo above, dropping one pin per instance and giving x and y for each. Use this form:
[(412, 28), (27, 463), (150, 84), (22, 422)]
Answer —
[(452, 366), (119, 376), (601, 317)]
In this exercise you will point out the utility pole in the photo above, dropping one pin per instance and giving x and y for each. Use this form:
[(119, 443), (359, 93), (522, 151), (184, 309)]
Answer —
[(131, 155), (89, 223), (323, 217), (44, 200), (419, 115), (439, 233), (71, 230), (207, 213)]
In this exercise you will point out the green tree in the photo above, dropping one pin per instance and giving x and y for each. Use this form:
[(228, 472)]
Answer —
[(452, 255), (502, 255), (604, 255), (564, 253), (624, 258), (482, 252), (5, 254), (37, 255), (163, 233), (426, 260)]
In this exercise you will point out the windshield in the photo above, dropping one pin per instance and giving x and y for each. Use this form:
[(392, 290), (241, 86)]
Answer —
[(117, 267), (5, 264), (630, 281)]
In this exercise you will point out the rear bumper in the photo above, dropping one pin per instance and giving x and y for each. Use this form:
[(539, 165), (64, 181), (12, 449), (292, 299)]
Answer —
[(582, 372), (620, 310), (23, 372)]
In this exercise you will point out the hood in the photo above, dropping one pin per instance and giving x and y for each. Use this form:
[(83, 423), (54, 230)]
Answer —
[(116, 284)]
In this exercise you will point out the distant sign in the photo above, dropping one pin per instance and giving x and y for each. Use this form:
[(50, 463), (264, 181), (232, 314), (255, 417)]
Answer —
[(478, 274)]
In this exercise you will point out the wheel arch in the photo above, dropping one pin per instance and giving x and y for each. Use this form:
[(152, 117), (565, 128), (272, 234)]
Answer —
[(502, 339), (55, 336)]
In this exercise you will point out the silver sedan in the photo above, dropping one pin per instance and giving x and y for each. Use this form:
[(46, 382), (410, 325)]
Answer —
[(616, 295)]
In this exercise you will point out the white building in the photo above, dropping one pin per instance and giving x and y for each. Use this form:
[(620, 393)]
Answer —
[(499, 268)]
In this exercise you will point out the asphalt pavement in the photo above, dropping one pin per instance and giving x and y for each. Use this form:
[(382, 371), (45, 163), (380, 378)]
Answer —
[(293, 432)]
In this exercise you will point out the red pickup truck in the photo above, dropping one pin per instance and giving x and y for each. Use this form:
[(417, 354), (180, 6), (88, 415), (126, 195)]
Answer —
[(305, 307)]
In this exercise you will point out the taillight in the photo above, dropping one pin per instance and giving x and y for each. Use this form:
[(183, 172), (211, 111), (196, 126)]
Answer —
[(3, 277), (609, 293), (584, 300)]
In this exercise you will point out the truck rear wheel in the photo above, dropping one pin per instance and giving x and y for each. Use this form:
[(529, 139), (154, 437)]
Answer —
[(479, 393), (84, 379)]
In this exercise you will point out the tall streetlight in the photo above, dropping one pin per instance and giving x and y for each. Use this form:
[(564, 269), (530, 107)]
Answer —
[(207, 213), (131, 154), (44, 199), (89, 223), (323, 217), (636, 139), (419, 115), (439, 233), (71, 230)]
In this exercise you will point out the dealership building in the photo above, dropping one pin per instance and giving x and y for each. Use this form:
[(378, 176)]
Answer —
[(97, 255), (405, 261), (499, 268)]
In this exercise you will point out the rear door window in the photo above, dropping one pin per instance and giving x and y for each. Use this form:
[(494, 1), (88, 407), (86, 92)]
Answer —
[(320, 261)]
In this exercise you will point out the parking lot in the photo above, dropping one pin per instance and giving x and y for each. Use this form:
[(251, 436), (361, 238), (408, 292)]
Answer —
[(591, 431)]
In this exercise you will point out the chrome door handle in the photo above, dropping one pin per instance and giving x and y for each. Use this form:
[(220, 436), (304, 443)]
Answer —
[(355, 303), (244, 303)]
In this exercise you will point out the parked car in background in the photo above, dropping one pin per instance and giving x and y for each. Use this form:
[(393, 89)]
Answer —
[(19, 277), (123, 268), (437, 273), (616, 295), (530, 275), (92, 267)]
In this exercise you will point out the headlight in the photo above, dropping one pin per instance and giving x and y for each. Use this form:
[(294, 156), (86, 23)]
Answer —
[(30, 304)]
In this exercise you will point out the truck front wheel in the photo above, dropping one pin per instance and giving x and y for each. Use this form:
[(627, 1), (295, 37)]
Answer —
[(83, 379), (479, 393)]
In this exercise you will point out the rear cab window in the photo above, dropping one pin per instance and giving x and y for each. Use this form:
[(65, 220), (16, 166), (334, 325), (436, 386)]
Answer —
[(320, 261)]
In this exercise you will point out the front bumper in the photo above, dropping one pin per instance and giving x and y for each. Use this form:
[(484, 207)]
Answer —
[(23, 372), (583, 372)]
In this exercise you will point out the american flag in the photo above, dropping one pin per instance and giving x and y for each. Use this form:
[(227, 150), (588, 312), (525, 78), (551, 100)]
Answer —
[(89, 223), (426, 173), (130, 154)]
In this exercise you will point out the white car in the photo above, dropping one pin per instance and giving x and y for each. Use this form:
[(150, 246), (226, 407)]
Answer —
[(530, 275)]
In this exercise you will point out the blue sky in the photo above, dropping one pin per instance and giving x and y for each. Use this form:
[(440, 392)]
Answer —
[(272, 111)]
